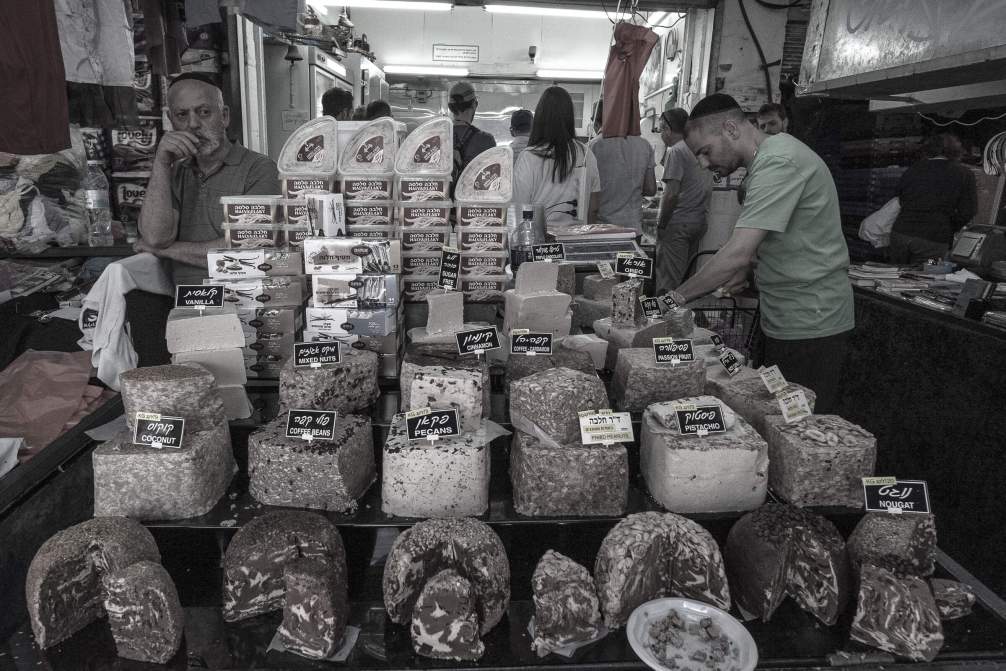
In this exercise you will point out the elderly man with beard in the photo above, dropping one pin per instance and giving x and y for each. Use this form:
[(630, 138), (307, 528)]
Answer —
[(194, 166)]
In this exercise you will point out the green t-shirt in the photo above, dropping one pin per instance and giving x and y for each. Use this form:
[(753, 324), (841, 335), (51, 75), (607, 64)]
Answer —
[(803, 262)]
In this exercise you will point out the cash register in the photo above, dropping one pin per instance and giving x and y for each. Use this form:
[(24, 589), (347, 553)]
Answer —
[(982, 249)]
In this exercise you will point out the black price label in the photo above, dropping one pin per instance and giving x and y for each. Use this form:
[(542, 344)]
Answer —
[(896, 496), (427, 424), (671, 350), (477, 341), (700, 420), (669, 303), (717, 342), (311, 424), (637, 266), (157, 431), (651, 307), (314, 355), (199, 296), (523, 341), (450, 268), (554, 251), (729, 361)]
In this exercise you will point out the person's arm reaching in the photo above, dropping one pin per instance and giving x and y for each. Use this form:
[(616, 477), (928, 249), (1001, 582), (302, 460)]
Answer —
[(158, 221), (190, 253), (649, 183), (727, 269), (669, 201)]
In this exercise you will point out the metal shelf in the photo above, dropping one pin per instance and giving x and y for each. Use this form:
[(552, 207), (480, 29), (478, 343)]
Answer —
[(118, 251)]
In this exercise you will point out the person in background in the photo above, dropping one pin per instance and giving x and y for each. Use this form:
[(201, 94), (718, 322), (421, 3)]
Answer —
[(772, 119), (626, 167), (938, 196), (377, 109), (359, 114), (790, 223), (682, 220), (195, 164), (469, 141), (520, 129), (337, 103), (555, 164)]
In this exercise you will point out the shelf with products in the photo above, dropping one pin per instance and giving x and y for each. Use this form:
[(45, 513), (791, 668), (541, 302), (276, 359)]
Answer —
[(82, 251)]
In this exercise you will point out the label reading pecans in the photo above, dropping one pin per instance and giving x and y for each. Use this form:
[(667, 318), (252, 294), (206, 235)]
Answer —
[(428, 424)]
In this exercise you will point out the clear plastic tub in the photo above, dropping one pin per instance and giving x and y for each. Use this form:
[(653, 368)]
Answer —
[(422, 188), (296, 186), (482, 215), (425, 214), (430, 239), (370, 213), (252, 209)]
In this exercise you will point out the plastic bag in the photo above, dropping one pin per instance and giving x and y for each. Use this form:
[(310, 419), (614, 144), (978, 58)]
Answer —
[(876, 228)]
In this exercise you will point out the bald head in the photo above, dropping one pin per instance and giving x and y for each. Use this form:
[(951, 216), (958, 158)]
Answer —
[(197, 107)]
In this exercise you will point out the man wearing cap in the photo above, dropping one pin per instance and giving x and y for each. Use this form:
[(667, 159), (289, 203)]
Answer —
[(791, 232), (196, 164), (469, 141), (520, 129)]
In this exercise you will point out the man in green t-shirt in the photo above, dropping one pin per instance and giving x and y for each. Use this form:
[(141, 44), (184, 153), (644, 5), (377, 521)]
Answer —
[(790, 231)]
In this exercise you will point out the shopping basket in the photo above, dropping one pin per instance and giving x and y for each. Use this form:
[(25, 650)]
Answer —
[(737, 325)]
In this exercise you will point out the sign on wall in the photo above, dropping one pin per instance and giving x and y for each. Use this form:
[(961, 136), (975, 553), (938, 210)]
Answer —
[(456, 53)]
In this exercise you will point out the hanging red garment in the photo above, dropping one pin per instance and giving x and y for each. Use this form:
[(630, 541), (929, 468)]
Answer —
[(626, 61)]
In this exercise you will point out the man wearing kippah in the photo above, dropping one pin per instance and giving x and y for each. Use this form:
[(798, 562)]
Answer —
[(790, 231)]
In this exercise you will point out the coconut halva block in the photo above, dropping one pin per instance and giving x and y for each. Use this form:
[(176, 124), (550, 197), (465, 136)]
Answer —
[(640, 381), (188, 392)]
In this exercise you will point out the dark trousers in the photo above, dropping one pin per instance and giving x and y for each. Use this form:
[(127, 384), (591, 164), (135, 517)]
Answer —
[(908, 250), (815, 363)]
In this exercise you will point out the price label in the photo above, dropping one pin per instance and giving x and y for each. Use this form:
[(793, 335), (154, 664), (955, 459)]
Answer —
[(311, 424), (477, 341), (522, 341), (636, 266), (672, 350), (669, 303), (554, 251), (428, 424), (605, 427), (700, 420), (717, 342), (651, 307), (729, 361), (157, 431), (794, 406), (896, 496), (199, 296), (315, 355), (607, 272), (773, 379), (450, 268)]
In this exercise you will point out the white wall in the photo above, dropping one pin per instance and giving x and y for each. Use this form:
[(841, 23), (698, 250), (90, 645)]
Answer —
[(738, 64)]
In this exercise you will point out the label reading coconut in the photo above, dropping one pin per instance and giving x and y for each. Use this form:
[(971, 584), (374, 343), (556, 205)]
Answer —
[(673, 351), (315, 355), (199, 296), (522, 341), (895, 496), (450, 267), (729, 361), (554, 251), (606, 270), (158, 431), (311, 424), (605, 427), (635, 266), (773, 379), (794, 406), (699, 420), (651, 307), (428, 424), (477, 341)]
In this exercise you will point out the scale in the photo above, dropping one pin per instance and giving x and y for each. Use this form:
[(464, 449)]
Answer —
[(591, 252), (982, 249)]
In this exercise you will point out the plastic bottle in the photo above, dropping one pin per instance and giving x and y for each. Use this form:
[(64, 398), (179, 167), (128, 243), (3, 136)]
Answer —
[(96, 204), (522, 238)]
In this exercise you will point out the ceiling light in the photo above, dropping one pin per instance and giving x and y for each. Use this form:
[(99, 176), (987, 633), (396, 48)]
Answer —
[(395, 4), (543, 10), (570, 74), (425, 70)]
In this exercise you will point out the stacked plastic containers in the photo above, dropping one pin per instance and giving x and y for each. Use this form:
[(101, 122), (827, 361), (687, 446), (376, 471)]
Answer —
[(354, 260), (483, 195), (422, 186)]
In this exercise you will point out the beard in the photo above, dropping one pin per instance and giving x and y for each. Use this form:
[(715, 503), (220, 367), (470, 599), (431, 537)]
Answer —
[(210, 141)]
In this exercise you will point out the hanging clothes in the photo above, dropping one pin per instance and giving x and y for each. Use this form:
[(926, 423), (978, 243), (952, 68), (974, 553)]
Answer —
[(626, 60), (33, 117), (164, 34)]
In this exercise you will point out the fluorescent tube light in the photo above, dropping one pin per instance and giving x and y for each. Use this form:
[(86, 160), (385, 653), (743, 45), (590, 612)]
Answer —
[(425, 70), (396, 4), (570, 74), (543, 10)]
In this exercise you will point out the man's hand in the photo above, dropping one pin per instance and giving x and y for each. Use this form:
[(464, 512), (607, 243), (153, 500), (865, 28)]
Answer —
[(142, 245), (176, 145), (736, 284)]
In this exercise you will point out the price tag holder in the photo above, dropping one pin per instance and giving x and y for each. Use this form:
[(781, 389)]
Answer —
[(729, 361), (429, 424), (607, 272), (199, 296), (157, 431), (669, 303), (605, 427), (673, 351), (651, 307), (773, 379), (794, 406), (450, 268), (522, 341), (699, 420), (553, 251), (311, 424), (717, 342), (316, 355), (896, 496), (635, 266), (477, 341)]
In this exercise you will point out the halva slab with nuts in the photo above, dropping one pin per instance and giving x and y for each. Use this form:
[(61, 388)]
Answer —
[(905, 544), (548, 403), (186, 391), (347, 386), (640, 381), (750, 399)]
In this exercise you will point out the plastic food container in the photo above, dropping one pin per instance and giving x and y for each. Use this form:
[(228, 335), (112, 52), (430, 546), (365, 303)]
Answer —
[(483, 263), (482, 239), (431, 239), (484, 289), (296, 186), (327, 256), (326, 214), (370, 213), (368, 187), (354, 291), (423, 264), (423, 188), (415, 289), (367, 232), (482, 215), (252, 209), (425, 214)]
